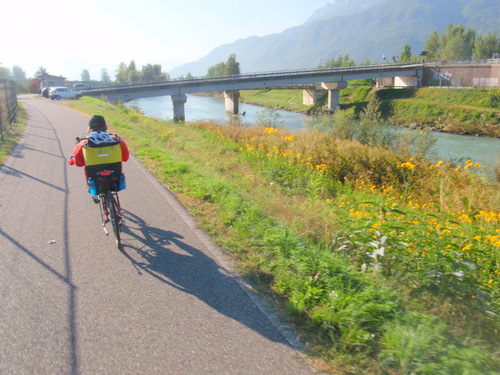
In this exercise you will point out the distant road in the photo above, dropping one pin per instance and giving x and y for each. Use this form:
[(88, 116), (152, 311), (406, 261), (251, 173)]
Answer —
[(71, 303)]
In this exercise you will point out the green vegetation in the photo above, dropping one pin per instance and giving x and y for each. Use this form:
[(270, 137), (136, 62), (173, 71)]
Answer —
[(130, 74), (229, 68), (386, 264), (457, 43), (290, 100), (11, 137), (460, 111)]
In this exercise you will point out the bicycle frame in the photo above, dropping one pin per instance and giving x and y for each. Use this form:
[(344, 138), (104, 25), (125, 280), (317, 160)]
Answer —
[(109, 202), (104, 205)]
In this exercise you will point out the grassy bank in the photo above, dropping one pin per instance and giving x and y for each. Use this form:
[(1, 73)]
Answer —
[(459, 111), (385, 264), (11, 137)]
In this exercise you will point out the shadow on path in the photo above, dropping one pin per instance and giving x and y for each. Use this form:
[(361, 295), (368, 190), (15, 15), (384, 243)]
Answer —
[(16, 173), (166, 256)]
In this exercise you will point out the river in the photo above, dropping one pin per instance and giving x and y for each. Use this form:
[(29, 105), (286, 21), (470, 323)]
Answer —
[(448, 147)]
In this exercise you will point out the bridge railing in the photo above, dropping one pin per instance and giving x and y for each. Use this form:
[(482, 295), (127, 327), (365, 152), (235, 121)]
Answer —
[(8, 105), (297, 72), (257, 75)]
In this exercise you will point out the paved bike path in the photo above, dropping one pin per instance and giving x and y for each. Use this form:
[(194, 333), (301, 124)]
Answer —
[(72, 303)]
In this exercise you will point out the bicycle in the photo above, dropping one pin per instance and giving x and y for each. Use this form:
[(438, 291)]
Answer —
[(109, 202), (107, 181)]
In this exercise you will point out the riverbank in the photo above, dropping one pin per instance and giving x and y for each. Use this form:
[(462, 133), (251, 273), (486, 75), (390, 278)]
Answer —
[(458, 111), (368, 252)]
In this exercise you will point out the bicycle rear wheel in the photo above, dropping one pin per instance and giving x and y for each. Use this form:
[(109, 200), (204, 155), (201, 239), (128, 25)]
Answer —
[(115, 218)]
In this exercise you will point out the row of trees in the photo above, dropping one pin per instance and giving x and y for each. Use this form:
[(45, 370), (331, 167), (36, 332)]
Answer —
[(130, 74), (456, 43), (19, 77), (342, 61), (124, 74), (229, 68), (17, 73)]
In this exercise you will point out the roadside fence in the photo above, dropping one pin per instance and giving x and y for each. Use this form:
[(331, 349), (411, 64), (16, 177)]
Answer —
[(8, 105)]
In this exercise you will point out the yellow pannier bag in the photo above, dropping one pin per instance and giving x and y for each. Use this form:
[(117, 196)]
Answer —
[(102, 155)]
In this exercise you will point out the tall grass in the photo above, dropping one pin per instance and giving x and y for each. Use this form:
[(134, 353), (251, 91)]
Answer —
[(12, 136), (385, 263)]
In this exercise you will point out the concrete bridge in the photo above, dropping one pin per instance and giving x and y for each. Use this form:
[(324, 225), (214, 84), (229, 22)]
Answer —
[(314, 82)]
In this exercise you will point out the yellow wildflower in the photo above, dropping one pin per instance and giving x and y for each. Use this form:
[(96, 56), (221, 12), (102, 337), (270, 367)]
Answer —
[(468, 247)]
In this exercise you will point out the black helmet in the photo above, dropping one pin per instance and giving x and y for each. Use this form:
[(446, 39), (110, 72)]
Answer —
[(97, 122)]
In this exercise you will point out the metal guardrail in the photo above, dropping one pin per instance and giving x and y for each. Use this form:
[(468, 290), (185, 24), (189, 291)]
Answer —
[(8, 105), (268, 74), (296, 73), (298, 78)]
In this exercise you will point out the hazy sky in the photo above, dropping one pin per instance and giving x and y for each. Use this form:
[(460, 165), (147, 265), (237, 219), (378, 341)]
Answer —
[(67, 36)]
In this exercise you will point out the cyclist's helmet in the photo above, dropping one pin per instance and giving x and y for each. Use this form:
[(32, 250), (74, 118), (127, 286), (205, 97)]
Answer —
[(97, 123)]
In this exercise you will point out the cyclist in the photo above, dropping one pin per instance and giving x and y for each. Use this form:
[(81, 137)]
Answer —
[(115, 153)]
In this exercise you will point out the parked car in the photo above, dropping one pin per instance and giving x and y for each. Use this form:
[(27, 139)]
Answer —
[(46, 91), (82, 86), (64, 93)]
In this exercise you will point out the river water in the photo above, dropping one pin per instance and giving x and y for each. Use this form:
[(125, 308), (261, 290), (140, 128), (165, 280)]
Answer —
[(448, 147)]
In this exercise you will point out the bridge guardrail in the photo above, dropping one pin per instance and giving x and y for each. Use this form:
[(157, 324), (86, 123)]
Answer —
[(257, 75), (296, 73)]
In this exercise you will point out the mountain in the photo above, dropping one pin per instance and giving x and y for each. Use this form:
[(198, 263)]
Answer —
[(341, 8), (364, 29)]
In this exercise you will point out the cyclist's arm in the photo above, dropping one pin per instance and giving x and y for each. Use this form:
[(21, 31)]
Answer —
[(125, 153), (78, 154)]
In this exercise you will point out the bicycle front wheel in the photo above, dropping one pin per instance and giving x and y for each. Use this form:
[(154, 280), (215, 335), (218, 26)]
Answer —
[(115, 218)]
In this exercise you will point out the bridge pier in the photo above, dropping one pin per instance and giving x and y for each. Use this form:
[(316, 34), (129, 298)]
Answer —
[(311, 96), (178, 101), (231, 101), (334, 93)]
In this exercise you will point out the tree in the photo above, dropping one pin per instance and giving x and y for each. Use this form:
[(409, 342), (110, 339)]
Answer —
[(41, 70), (457, 43), (121, 73), (4, 72), (133, 76), (152, 73), (405, 56), (105, 76), (485, 46), (339, 62), (85, 75), (148, 73), (19, 74), (433, 45), (216, 70), (232, 66)]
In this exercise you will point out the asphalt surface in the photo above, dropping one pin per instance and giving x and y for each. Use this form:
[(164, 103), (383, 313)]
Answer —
[(72, 303)]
